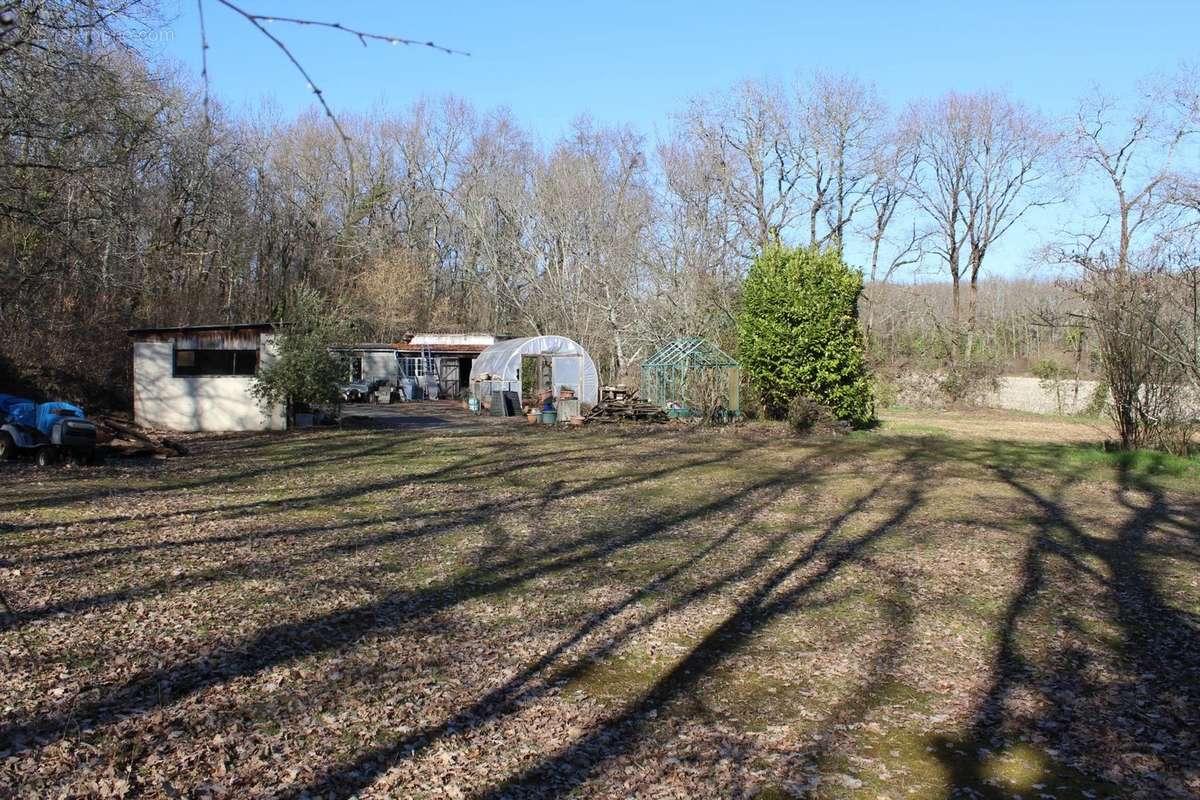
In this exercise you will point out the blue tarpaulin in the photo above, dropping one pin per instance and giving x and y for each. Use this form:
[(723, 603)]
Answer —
[(49, 413), (35, 415), (18, 410), (7, 401)]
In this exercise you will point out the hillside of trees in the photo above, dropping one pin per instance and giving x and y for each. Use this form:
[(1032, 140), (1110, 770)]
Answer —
[(129, 197)]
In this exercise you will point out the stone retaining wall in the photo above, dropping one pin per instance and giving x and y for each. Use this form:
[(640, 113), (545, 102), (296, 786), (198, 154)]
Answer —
[(1024, 393)]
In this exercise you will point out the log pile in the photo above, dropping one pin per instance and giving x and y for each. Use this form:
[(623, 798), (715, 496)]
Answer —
[(629, 409), (123, 440)]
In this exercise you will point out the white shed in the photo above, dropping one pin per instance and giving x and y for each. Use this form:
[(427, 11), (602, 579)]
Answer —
[(498, 368), (201, 378)]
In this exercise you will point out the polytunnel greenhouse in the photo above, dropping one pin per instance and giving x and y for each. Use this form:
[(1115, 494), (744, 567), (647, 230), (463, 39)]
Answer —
[(549, 362)]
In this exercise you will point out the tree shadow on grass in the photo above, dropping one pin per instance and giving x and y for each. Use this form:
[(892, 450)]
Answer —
[(484, 458), (1087, 716), (1062, 557), (536, 679), (287, 642), (413, 526), (568, 769)]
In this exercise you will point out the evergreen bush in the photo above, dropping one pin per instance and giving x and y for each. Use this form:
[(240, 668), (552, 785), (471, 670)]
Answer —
[(798, 333)]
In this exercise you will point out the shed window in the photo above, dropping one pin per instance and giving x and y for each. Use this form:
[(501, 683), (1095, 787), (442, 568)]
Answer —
[(216, 362), (414, 367)]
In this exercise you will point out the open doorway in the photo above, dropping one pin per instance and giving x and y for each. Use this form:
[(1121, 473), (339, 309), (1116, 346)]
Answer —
[(464, 376), (537, 376)]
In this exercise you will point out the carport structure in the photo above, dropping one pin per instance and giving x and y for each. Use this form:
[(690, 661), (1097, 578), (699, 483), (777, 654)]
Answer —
[(498, 368)]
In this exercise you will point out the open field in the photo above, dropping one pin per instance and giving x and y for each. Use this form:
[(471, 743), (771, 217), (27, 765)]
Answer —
[(935, 609)]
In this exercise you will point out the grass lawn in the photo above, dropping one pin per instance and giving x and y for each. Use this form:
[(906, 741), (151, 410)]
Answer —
[(963, 605)]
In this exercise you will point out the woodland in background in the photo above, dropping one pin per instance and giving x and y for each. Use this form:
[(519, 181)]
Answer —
[(130, 198)]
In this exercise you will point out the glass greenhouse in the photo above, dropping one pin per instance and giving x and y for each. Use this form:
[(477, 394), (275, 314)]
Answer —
[(692, 376)]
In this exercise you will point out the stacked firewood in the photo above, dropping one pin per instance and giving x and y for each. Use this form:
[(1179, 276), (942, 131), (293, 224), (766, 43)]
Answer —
[(629, 409)]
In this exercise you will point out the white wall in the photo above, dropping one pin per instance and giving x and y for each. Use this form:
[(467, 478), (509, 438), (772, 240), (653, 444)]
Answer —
[(380, 365), (197, 403)]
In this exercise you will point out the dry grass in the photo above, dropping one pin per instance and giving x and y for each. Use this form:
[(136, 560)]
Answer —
[(494, 610), (1004, 425)]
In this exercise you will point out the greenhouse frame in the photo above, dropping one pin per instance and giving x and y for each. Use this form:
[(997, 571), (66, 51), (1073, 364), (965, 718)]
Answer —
[(667, 374)]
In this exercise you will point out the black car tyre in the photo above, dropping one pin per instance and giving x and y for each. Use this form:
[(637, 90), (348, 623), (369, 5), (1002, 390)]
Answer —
[(47, 456), (8, 448)]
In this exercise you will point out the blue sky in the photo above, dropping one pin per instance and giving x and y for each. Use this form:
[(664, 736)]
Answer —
[(636, 63)]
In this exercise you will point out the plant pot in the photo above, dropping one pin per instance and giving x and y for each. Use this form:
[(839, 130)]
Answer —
[(533, 418), (549, 417), (577, 422)]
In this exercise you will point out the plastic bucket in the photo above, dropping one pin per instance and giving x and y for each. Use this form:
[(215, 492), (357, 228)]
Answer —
[(549, 417)]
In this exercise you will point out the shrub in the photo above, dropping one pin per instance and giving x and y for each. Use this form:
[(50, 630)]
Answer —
[(1147, 376), (968, 382), (752, 408), (799, 335), (706, 393), (804, 414), (1051, 376), (304, 372), (886, 391)]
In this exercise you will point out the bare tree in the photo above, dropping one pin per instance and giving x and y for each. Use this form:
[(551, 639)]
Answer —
[(695, 265), (836, 141), (984, 164), (1134, 279), (744, 136), (897, 160)]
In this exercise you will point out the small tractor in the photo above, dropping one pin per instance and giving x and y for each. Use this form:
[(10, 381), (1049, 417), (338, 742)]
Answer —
[(47, 431)]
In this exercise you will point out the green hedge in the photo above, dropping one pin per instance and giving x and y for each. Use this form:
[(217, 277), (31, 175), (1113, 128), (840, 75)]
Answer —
[(799, 335)]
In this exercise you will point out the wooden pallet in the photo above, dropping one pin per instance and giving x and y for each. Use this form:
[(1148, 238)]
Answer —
[(628, 410)]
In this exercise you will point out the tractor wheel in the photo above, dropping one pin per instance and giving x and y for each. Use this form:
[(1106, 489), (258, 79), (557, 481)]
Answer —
[(46, 456), (8, 449)]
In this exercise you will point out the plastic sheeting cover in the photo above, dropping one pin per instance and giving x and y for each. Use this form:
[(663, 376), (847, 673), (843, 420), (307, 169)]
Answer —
[(8, 401), (18, 410), (50, 413), (498, 367)]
